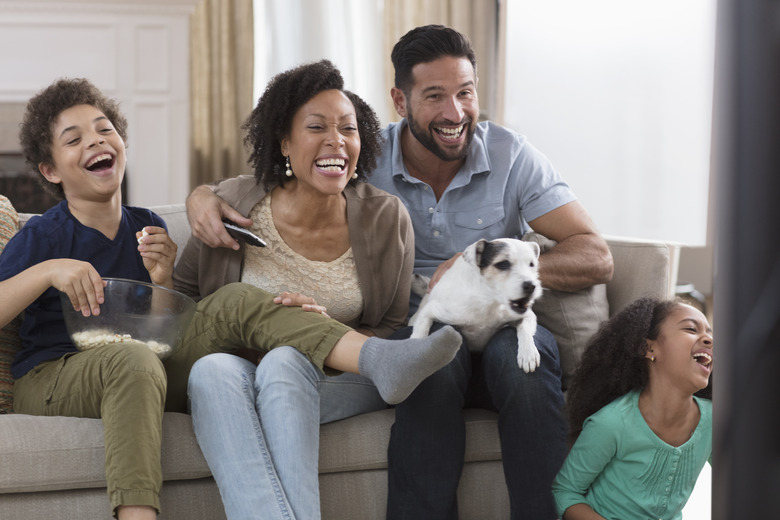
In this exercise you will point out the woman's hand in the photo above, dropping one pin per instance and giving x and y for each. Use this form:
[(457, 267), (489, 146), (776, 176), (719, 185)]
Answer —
[(158, 251), (306, 303)]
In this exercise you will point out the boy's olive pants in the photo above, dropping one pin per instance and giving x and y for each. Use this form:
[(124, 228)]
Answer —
[(129, 387)]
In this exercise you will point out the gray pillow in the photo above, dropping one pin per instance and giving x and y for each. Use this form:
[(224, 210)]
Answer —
[(572, 317)]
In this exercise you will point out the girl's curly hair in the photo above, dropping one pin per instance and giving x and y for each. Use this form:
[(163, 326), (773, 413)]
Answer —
[(271, 120), (614, 362), (42, 112)]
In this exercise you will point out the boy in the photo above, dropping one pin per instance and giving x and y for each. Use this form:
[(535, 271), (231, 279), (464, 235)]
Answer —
[(75, 137)]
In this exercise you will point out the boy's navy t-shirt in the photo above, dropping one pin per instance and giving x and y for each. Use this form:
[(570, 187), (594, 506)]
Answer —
[(57, 234)]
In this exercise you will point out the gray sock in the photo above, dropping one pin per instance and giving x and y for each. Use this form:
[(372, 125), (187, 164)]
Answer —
[(396, 367)]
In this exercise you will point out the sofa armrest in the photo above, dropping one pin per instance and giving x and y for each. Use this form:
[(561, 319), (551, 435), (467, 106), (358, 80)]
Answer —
[(642, 268)]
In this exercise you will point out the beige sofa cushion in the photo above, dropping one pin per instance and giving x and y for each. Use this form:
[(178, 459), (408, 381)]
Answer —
[(68, 452), (642, 268), (73, 455), (571, 317)]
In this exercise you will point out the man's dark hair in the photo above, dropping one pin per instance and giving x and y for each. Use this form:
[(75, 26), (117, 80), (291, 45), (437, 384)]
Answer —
[(425, 44), (42, 112)]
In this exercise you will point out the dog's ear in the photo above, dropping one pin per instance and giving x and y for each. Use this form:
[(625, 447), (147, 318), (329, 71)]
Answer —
[(473, 252), (486, 252), (535, 247)]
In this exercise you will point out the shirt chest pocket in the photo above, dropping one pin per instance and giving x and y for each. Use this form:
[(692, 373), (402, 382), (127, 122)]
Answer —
[(481, 218)]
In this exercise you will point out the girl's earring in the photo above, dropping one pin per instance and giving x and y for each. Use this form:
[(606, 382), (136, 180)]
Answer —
[(355, 174), (652, 358), (288, 171)]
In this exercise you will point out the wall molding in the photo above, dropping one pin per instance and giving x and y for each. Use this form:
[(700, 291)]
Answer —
[(164, 7)]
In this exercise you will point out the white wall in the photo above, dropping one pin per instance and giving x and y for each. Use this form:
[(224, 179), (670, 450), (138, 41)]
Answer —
[(135, 51), (619, 95)]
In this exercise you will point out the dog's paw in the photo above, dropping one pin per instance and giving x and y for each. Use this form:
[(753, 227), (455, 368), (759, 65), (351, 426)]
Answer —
[(529, 361), (528, 357)]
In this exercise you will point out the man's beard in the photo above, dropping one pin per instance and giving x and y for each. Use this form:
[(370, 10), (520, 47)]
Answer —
[(429, 142)]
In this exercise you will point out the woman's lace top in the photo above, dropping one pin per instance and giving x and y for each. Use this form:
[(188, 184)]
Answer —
[(277, 268)]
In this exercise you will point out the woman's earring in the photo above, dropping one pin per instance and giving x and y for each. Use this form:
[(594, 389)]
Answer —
[(288, 171), (652, 359), (354, 174)]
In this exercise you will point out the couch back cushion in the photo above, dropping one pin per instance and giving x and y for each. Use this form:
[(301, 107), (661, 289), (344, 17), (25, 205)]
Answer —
[(571, 317), (9, 337)]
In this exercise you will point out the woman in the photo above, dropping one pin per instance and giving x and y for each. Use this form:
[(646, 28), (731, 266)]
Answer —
[(333, 243), (642, 436)]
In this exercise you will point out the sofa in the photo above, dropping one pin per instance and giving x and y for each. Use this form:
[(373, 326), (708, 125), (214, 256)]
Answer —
[(52, 467)]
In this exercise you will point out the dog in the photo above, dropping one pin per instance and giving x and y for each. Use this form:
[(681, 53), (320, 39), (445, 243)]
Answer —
[(493, 284)]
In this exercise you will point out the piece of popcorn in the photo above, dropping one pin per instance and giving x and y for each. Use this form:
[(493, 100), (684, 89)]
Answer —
[(144, 233)]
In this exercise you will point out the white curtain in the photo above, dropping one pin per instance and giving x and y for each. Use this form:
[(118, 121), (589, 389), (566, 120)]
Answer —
[(619, 96), (358, 35), (293, 32)]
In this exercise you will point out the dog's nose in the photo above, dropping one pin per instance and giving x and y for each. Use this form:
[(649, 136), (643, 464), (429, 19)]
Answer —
[(528, 287)]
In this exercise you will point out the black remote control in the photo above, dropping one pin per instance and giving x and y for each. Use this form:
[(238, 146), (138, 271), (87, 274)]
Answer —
[(240, 233)]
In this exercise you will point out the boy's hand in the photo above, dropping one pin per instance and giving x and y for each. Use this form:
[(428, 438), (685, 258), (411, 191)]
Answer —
[(80, 281), (158, 251)]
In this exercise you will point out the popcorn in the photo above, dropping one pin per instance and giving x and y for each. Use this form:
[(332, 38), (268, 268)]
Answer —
[(144, 233), (89, 339)]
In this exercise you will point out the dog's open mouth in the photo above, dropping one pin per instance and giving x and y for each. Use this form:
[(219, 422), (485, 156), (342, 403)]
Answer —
[(521, 305)]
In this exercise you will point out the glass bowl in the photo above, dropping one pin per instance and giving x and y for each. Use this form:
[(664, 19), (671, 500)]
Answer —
[(132, 311)]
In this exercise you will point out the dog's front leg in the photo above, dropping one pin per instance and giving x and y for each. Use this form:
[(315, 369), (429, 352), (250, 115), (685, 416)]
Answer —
[(528, 357), (423, 321)]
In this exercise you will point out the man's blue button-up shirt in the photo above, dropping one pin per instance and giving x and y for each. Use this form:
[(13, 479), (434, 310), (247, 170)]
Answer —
[(504, 184)]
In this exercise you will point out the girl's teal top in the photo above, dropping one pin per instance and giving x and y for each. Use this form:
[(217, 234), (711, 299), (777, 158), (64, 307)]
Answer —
[(623, 470)]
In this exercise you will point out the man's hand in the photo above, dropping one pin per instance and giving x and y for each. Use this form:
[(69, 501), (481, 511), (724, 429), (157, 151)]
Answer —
[(443, 267), (205, 211)]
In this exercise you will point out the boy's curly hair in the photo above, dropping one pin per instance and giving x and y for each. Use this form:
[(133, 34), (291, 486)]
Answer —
[(614, 362), (271, 120), (42, 112)]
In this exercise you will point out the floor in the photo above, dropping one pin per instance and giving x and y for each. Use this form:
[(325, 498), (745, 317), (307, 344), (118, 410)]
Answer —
[(699, 506)]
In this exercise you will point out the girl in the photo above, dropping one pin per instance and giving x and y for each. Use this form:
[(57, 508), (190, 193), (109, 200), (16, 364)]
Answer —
[(642, 436)]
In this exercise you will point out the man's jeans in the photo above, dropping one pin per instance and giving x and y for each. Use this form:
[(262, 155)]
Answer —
[(427, 443)]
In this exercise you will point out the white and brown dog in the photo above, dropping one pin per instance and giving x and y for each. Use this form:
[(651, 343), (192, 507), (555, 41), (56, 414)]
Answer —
[(493, 284)]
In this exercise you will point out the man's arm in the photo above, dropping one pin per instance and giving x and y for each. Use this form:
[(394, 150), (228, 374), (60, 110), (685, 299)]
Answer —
[(581, 258), (205, 211)]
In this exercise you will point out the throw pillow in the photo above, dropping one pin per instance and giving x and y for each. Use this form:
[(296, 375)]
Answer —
[(9, 337), (572, 317)]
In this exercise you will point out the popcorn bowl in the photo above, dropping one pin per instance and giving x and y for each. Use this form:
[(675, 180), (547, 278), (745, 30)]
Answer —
[(132, 311)]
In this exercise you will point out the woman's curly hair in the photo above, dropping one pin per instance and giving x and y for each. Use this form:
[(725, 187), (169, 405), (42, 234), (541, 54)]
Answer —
[(43, 109), (614, 362), (271, 120)]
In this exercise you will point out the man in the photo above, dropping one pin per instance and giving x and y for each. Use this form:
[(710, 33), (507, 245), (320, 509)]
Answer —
[(462, 181)]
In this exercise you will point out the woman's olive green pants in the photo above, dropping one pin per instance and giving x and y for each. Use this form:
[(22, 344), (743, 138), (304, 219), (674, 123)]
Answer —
[(129, 387)]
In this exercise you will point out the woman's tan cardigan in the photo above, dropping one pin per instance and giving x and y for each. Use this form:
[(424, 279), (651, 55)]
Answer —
[(380, 233)]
